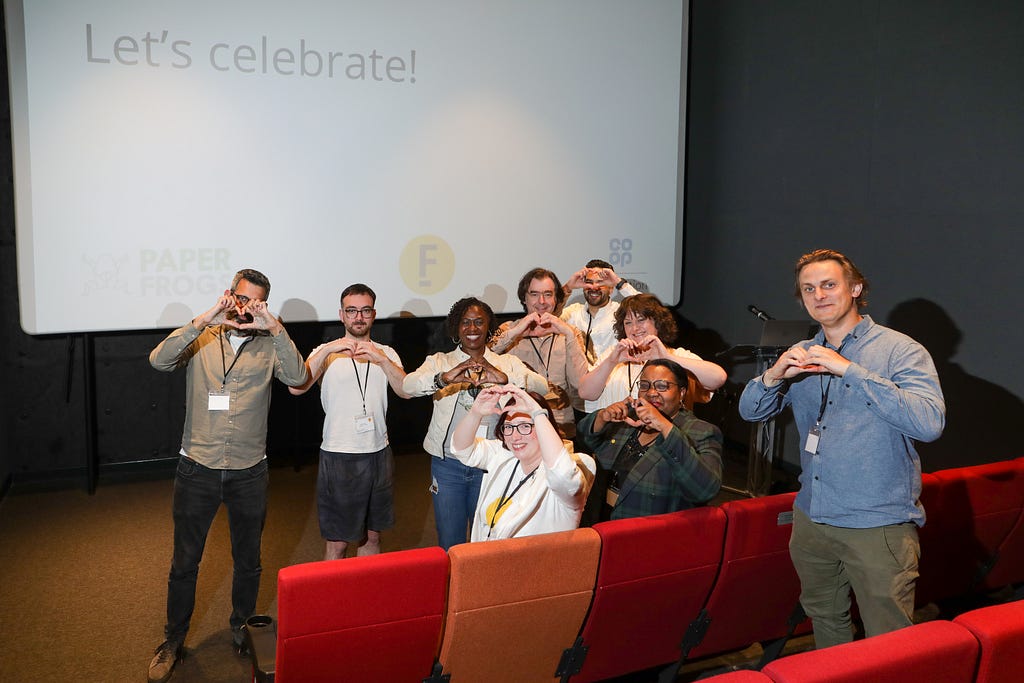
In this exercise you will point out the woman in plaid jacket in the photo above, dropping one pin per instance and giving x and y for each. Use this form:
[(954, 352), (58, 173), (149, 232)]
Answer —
[(658, 456)]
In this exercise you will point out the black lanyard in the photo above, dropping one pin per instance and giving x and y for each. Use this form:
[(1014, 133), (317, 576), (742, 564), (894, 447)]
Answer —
[(546, 364), (223, 362), (586, 341), (503, 501), (827, 386), (365, 384)]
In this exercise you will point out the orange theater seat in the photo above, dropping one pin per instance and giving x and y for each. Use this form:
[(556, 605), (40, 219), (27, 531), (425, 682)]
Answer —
[(514, 605)]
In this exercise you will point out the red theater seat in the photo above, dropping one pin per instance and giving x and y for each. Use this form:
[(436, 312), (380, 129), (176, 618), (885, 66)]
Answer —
[(971, 514), (375, 618), (1009, 565), (1000, 631), (738, 677), (655, 575), (757, 588), (932, 652)]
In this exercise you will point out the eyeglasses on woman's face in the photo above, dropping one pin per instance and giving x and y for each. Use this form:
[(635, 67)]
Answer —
[(524, 428), (658, 384)]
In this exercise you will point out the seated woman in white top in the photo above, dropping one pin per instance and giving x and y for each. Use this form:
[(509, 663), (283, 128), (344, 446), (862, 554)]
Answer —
[(532, 484), (644, 326)]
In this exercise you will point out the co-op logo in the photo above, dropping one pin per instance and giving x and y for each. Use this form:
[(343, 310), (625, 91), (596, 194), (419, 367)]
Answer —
[(620, 251)]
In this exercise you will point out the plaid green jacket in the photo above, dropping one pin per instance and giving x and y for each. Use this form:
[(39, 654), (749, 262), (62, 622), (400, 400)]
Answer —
[(675, 473)]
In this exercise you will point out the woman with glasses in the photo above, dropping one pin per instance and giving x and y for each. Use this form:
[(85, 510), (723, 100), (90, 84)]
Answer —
[(658, 457), (454, 379), (645, 329), (532, 483)]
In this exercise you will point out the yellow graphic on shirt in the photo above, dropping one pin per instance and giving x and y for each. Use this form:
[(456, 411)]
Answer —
[(493, 514)]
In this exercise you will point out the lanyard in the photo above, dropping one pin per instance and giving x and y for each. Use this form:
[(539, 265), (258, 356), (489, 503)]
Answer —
[(503, 501), (547, 363), (223, 363), (827, 386), (586, 341), (365, 384)]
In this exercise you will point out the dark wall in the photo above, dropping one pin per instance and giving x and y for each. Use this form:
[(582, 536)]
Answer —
[(889, 130), (894, 132)]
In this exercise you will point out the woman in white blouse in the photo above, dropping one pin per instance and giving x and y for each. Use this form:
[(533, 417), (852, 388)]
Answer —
[(645, 328), (533, 484)]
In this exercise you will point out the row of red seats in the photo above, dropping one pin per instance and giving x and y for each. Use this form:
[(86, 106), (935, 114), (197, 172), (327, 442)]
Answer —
[(622, 596), (981, 646)]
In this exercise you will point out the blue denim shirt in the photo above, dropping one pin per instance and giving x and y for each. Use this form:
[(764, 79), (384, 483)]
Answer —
[(866, 472)]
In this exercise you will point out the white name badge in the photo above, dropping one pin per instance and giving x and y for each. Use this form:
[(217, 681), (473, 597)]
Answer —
[(811, 446), (364, 423), (220, 400)]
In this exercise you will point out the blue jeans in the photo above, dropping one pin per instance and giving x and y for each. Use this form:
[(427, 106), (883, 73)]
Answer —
[(198, 493), (458, 488)]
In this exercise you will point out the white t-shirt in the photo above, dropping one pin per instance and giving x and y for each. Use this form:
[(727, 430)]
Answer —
[(343, 403), (550, 500)]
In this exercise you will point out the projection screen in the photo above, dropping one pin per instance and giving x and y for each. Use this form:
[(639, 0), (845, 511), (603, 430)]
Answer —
[(431, 149)]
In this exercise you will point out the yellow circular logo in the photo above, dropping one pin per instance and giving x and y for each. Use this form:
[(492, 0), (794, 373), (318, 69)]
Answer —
[(427, 264)]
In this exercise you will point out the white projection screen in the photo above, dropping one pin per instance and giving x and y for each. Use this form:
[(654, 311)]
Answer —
[(432, 149)]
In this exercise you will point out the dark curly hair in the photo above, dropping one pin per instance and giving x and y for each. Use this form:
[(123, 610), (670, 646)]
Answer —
[(647, 306), (459, 308), (540, 274)]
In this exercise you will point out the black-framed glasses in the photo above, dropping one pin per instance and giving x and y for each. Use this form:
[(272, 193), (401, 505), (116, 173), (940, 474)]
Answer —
[(241, 298), (365, 311), (658, 384), (524, 428)]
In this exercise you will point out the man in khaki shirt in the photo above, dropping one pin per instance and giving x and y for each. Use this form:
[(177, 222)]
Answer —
[(230, 353)]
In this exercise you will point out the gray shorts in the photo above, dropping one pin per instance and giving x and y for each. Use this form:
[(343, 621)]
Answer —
[(355, 492)]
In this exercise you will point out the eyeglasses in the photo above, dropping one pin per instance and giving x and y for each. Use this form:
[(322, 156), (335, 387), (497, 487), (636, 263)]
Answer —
[(524, 428), (658, 384), (366, 312), (241, 298)]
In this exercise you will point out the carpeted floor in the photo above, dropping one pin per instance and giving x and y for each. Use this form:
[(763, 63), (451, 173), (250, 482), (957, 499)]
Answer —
[(83, 579)]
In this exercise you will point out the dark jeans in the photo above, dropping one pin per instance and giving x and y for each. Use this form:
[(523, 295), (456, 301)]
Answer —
[(198, 493)]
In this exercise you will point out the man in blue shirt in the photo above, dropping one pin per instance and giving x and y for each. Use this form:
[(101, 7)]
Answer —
[(861, 395)]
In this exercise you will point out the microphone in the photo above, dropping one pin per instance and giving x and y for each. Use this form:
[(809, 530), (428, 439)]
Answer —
[(759, 313)]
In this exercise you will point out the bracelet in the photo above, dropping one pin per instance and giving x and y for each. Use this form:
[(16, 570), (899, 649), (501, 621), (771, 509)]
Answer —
[(620, 284), (439, 382), (540, 411)]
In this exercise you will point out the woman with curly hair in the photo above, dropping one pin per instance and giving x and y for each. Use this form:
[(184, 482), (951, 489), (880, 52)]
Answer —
[(454, 378), (644, 328)]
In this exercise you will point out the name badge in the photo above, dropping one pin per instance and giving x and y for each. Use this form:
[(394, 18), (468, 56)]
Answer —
[(611, 496), (811, 445), (364, 423), (220, 400)]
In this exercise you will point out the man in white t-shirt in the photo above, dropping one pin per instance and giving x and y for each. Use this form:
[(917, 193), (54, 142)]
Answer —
[(355, 499), (595, 315)]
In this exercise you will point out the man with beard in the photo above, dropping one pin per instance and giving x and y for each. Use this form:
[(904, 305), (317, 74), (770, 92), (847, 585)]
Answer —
[(595, 315), (231, 353), (355, 481)]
